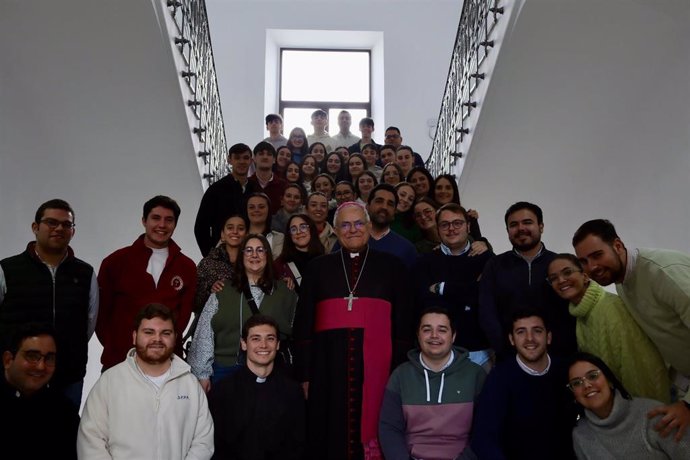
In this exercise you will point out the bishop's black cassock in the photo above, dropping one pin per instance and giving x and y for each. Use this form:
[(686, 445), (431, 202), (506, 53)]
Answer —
[(346, 354)]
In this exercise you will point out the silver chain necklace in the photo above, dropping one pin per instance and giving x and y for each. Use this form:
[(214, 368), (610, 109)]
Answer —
[(351, 298)]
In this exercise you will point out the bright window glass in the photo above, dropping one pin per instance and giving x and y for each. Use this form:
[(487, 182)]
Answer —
[(312, 75)]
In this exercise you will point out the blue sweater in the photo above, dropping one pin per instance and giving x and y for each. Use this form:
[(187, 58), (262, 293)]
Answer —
[(521, 416)]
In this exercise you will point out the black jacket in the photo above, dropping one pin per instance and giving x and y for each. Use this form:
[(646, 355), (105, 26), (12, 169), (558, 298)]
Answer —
[(221, 199), (33, 296), (509, 283), (257, 421)]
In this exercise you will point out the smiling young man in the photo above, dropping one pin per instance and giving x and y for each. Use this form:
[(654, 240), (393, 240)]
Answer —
[(449, 277), (654, 285), (319, 120), (152, 269), (518, 277), (149, 405), (258, 412), (429, 400), (47, 283), (263, 180), (351, 326), (524, 410), (31, 409)]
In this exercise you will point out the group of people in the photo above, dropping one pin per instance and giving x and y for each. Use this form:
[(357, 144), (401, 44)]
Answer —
[(351, 311)]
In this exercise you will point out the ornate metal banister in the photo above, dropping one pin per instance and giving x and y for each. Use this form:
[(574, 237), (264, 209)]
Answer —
[(472, 45), (193, 41)]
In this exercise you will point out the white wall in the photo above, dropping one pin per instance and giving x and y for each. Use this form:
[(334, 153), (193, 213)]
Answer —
[(417, 36), (91, 111), (588, 115)]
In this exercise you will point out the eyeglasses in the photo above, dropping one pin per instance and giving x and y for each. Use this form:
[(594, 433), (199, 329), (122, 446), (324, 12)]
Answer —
[(445, 225), (566, 273), (347, 226), (590, 376), (260, 251), (392, 136), (54, 223), (301, 228), (35, 357)]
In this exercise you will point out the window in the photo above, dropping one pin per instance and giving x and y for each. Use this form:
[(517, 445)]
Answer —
[(332, 80)]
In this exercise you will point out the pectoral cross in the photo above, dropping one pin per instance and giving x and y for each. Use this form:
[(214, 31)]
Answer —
[(351, 298)]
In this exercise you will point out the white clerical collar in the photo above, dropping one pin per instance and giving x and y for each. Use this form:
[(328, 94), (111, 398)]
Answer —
[(531, 371), (446, 250)]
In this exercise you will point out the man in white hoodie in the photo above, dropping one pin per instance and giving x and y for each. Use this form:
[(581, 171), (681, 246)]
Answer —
[(149, 406)]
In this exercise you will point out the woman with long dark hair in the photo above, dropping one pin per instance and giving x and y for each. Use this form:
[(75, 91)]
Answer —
[(259, 214), (356, 165), (218, 264), (253, 287), (308, 170), (392, 174), (445, 190), (404, 223), (318, 151), (425, 216), (298, 144), (334, 166), (613, 424), (421, 180), (364, 184), (301, 246), (283, 158)]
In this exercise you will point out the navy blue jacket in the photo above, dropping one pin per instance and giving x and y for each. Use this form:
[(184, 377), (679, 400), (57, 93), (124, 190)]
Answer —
[(460, 292), (508, 283)]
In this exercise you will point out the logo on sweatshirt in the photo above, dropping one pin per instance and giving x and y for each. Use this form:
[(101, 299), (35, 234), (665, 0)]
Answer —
[(177, 283)]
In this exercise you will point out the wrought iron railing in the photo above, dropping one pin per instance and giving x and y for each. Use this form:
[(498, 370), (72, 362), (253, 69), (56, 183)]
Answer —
[(193, 41), (472, 46)]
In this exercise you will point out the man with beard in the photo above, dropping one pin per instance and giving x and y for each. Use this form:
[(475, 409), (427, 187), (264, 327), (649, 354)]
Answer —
[(654, 285), (351, 329), (524, 409), (150, 405), (518, 277)]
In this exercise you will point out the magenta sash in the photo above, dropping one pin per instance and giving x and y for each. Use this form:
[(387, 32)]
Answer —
[(374, 316)]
